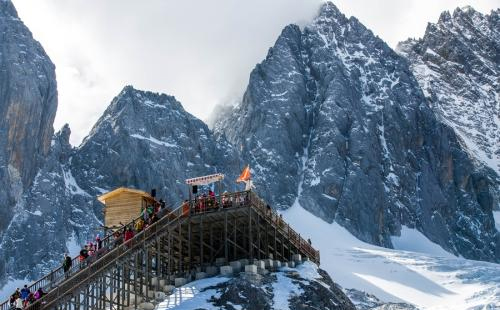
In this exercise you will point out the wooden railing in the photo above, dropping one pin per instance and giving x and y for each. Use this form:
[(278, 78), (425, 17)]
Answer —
[(94, 267), (284, 228), (246, 198), (57, 282), (56, 276)]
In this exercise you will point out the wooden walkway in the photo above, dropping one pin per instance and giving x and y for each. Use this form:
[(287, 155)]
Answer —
[(182, 242)]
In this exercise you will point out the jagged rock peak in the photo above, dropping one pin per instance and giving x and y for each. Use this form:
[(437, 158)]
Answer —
[(467, 10), (446, 17), (63, 135), (328, 10), (329, 20), (456, 63), (135, 110), (145, 98), (7, 9), (463, 16)]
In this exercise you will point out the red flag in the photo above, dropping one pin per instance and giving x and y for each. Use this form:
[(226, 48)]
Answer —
[(245, 175)]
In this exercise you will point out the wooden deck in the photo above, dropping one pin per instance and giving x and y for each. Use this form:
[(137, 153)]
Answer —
[(182, 242)]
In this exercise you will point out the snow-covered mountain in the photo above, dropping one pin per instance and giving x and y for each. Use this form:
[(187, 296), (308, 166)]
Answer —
[(457, 65), (147, 140), (335, 120)]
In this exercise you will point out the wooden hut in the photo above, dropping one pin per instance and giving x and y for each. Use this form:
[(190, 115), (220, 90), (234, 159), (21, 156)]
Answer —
[(122, 205)]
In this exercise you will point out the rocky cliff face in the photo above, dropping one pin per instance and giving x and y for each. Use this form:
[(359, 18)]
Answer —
[(334, 119), (28, 103), (457, 64), (144, 140), (147, 140), (53, 215)]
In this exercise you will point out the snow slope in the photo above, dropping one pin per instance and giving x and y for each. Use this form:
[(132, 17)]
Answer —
[(413, 240), (426, 276), (496, 216), (192, 295)]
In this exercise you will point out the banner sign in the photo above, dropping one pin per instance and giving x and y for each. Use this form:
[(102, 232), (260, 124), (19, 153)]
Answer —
[(205, 180)]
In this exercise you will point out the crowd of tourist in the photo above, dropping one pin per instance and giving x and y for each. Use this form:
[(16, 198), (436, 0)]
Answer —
[(150, 214), (207, 202), (20, 299)]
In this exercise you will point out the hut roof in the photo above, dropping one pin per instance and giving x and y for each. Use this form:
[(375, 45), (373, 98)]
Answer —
[(121, 190)]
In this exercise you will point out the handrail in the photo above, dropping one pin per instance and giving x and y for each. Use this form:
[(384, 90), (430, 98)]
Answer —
[(280, 223), (52, 278), (128, 246), (114, 248), (108, 258), (57, 276)]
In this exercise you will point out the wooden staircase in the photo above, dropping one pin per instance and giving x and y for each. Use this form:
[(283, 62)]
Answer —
[(126, 275)]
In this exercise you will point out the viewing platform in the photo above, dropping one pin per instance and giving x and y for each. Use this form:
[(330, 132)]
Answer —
[(223, 234)]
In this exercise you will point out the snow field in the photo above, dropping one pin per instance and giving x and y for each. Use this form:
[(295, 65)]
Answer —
[(418, 272), (190, 295)]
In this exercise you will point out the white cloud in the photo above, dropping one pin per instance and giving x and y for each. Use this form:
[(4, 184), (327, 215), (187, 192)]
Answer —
[(199, 51)]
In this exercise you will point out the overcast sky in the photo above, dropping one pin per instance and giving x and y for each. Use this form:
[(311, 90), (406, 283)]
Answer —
[(201, 52)]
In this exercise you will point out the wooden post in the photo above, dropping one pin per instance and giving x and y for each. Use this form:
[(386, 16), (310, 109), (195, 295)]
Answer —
[(111, 290), (190, 267), (123, 277), (181, 258), (146, 271), (250, 237), (201, 242), (157, 260), (275, 254), (169, 252), (282, 245), (267, 239), (220, 193), (226, 250), (190, 197), (211, 243), (136, 263), (258, 238), (234, 239)]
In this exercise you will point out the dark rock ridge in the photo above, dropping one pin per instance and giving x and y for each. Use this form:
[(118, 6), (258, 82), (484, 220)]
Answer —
[(457, 64), (335, 120), (143, 140), (28, 103), (365, 301), (287, 289)]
